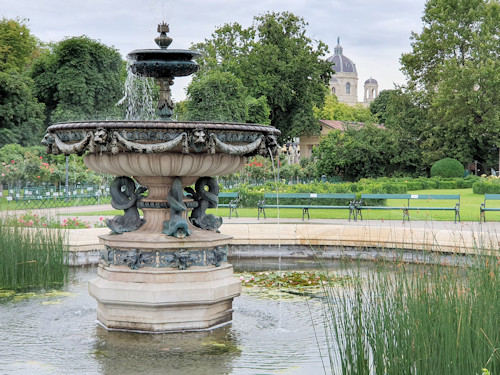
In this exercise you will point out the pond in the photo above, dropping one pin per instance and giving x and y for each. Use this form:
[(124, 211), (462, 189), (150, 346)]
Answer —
[(57, 333)]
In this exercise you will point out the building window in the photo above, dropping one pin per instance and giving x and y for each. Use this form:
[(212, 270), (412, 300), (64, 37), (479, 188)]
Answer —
[(333, 90), (347, 88)]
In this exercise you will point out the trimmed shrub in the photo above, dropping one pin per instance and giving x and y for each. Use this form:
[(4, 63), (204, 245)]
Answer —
[(447, 167), (489, 185)]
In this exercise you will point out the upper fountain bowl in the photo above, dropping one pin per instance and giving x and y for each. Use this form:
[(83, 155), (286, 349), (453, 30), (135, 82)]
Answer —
[(163, 63)]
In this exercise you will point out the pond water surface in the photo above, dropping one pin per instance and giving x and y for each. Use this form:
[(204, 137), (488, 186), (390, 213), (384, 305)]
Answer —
[(57, 333)]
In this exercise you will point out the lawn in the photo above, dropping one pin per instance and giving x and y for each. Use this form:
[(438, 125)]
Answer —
[(469, 209)]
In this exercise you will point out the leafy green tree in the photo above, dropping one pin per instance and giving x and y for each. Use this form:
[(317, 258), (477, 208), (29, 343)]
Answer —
[(455, 65), (274, 58), (79, 79), (354, 153), (220, 96), (258, 110), (405, 117), (17, 46), (21, 116), (216, 96), (379, 106), (332, 109)]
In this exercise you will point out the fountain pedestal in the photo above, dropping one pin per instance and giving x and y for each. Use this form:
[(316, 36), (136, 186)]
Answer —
[(161, 297)]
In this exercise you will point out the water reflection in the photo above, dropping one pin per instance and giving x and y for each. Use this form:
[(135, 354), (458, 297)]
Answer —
[(210, 352)]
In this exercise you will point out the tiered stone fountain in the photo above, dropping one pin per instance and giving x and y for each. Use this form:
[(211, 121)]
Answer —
[(166, 271)]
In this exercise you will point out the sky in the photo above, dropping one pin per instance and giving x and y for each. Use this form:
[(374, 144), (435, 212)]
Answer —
[(373, 33)]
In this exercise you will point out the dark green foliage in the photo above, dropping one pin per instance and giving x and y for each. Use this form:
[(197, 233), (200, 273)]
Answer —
[(274, 58), (21, 116), (454, 66), (447, 167), (354, 153), (216, 96), (258, 110), (79, 79), (489, 185), (379, 106)]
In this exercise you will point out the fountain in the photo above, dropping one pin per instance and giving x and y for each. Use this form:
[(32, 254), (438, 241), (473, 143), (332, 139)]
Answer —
[(166, 271)]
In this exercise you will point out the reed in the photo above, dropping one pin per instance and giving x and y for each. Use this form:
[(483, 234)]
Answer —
[(416, 319), (32, 257)]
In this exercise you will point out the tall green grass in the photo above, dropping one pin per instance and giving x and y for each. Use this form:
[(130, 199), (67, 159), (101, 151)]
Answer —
[(32, 258), (407, 319)]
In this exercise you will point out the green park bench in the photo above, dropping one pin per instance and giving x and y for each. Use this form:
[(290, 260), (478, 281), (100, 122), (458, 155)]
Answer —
[(483, 208), (307, 201), (410, 200), (232, 204)]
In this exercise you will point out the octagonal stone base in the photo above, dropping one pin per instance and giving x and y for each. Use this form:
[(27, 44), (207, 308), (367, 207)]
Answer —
[(158, 300)]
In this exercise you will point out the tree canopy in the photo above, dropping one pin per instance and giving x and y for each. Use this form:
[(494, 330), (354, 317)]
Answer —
[(273, 58), (454, 66), (21, 116), (17, 46), (79, 78)]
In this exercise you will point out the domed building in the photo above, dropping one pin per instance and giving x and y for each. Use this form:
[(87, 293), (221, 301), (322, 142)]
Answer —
[(344, 83)]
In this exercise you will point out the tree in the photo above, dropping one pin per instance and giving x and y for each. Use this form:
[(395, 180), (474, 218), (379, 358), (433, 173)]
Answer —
[(354, 153), (455, 65), (220, 96), (216, 96), (79, 78), (379, 106), (21, 116), (17, 46), (274, 58), (332, 109)]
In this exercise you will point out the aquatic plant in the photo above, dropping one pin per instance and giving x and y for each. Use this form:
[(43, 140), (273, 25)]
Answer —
[(407, 319), (31, 257)]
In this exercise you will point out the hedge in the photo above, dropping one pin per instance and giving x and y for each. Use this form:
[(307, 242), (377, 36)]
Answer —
[(489, 185)]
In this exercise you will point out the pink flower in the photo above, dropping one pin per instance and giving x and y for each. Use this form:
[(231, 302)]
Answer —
[(252, 278), (101, 218), (44, 224), (242, 278), (37, 176)]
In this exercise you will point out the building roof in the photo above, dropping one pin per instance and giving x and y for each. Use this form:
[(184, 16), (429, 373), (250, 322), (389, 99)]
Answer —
[(371, 80), (341, 63)]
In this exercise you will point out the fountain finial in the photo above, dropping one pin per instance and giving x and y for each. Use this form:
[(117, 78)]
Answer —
[(163, 40)]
